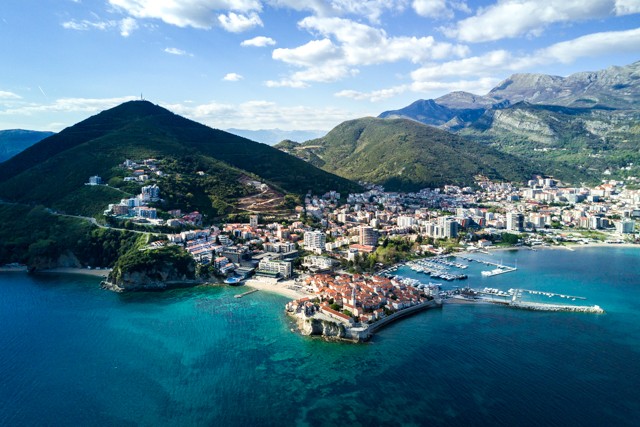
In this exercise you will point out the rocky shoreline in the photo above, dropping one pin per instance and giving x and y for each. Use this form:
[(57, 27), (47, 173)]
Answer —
[(335, 330)]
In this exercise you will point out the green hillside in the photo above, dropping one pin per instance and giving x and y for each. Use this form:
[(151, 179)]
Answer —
[(405, 155), (54, 171)]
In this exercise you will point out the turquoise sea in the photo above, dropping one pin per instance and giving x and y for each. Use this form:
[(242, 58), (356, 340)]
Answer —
[(73, 354)]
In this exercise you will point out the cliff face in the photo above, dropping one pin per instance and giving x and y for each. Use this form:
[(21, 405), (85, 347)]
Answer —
[(152, 270), (330, 329), (67, 259), (153, 279), (326, 328)]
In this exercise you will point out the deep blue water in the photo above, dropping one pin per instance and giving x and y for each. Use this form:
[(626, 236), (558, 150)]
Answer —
[(73, 354)]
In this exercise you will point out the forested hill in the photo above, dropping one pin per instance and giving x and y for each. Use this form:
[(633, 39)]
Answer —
[(405, 155), (57, 167)]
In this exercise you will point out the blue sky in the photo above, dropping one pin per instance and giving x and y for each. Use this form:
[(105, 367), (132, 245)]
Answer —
[(289, 64)]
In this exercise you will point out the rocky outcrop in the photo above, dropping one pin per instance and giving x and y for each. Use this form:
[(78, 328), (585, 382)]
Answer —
[(323, 327), (153, 279), (152, 270)]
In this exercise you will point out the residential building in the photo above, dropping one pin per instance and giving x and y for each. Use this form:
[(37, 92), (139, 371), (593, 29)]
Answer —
[(368, 236), (625, 226), (283, 268), (315, 241), (515, 221), (95, 180), (318, 262)]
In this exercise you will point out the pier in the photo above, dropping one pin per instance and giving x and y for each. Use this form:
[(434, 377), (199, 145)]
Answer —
[(500, 268), (513, 298), (547, 294), (246, 293)]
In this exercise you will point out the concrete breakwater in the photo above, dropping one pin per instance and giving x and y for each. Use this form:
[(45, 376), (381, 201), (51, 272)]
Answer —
[(402, 313), (558, 307)]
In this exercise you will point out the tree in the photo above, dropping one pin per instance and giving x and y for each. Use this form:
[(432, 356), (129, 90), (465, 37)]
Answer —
[(510, 238)]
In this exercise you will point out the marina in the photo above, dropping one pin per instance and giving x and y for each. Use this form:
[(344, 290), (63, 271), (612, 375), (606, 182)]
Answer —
[(522, 298), (438, 268)]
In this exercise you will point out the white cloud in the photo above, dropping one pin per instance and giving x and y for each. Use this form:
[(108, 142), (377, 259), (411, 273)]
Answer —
[(373, 96), (355, 45), (478, 74), (627, 7), (502, 61), (260, 41), (232, 77), (8, 95), (266, 115), (432, 88), (127, 26), (295, 84), (235, 23), (484, 65), (185, 13), (69, 105), (86, 25), (176, 51), (480, 86), (514, 18), (591, 45), (432, 8), (307, 55), (370, 9)]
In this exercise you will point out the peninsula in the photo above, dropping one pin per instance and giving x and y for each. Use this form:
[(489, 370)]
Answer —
[(353, 307)]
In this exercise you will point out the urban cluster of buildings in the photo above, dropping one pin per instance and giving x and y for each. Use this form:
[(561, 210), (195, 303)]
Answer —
[(137, 207), (356, 298), (346, 229), (343, 231)]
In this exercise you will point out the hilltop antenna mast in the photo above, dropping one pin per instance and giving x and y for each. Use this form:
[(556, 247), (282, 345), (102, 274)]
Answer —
[(141, 97)]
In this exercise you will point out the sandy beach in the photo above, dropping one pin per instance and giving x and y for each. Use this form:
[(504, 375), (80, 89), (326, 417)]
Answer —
[(12, 269), (66, 270), (280, 288), (72, 270)]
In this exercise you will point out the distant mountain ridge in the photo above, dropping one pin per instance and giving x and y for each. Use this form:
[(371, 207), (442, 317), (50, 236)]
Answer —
[(588, 119), (274, 136), (13, 141)]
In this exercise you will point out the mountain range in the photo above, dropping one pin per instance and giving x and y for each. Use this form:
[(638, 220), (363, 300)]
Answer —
[(13, 141), (573, 128), (588, 120)]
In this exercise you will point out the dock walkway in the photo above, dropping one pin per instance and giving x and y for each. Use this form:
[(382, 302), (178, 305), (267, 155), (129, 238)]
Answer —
[(246, 293)]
